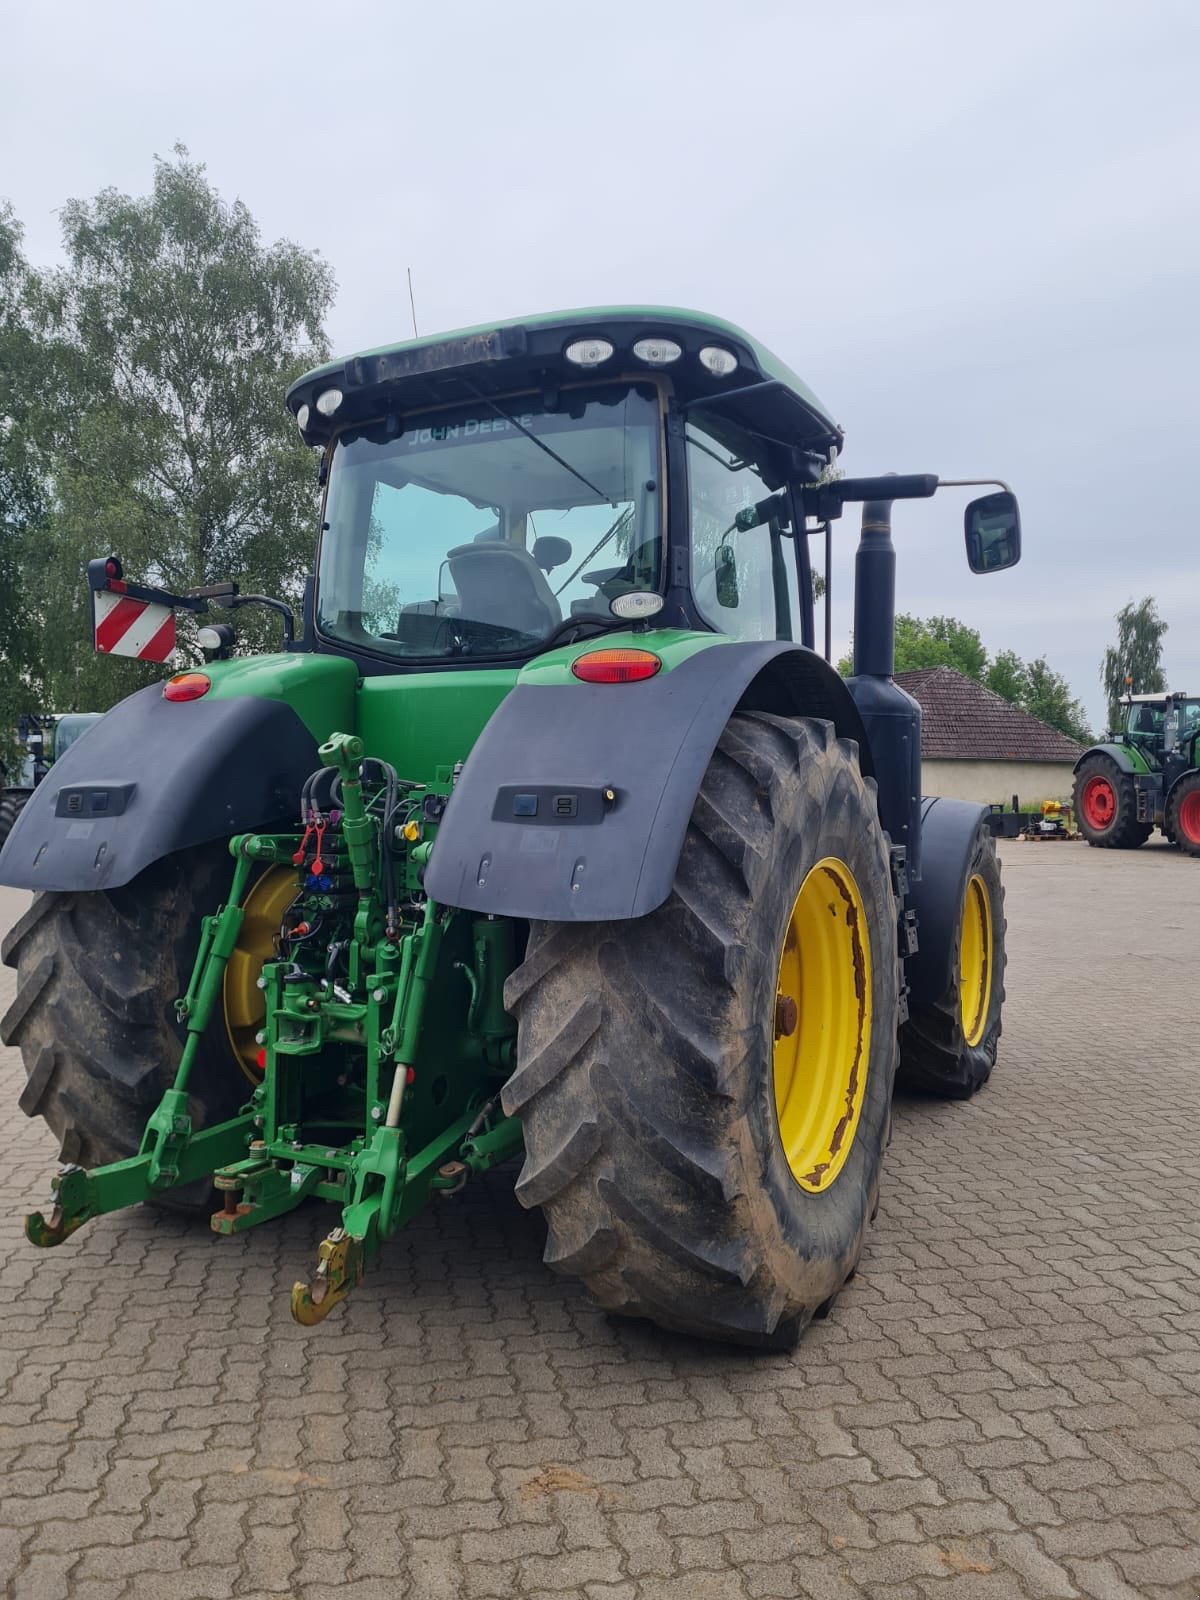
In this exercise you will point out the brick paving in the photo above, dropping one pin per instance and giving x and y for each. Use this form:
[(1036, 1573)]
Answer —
[(1005, 1403)]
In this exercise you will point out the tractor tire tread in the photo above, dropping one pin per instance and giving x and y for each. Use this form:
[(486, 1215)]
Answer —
[(1126, 832), (11, 806), (94, 1016), (934, 1057), (648, 1175)]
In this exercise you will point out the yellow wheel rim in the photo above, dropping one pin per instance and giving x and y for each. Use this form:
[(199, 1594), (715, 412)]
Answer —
[(822, 1024), (975, 960), (245, 1007)]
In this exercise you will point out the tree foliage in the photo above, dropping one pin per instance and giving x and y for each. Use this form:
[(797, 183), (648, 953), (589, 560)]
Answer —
[(168, 340), (1048, 697), (1032, 685), (934, 642), (23, 488), (1134, 664)]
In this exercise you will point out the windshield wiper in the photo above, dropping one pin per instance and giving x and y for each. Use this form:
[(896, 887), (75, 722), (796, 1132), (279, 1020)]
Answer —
[(553, 454), (622, 521)]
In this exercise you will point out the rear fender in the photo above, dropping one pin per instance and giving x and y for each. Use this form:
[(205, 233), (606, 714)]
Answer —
[(153, 777), (948, 832), (574, 802)]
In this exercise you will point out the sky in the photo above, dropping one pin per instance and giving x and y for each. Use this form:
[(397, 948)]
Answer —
[(974, 231)]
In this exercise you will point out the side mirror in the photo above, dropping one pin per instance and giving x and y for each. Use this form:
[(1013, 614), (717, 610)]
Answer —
[(549, 551), (727, 578), (992, 526)]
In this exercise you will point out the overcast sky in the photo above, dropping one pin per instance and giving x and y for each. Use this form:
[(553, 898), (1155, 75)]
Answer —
[(974, 230)]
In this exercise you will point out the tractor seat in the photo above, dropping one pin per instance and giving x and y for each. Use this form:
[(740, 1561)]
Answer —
[(501, 584)]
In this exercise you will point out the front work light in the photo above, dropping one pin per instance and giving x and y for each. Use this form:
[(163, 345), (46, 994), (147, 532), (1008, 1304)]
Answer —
[(719, 362), (187, 686), (588, 352), (657, 352), (329, 401), (302, 417), (636, 605), (616, 666)]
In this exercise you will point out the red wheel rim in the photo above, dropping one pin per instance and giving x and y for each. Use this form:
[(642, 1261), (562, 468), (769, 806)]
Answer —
[(1189, 816), (1098, 803)]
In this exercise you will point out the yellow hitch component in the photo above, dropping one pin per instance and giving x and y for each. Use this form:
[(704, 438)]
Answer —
[(339, 1268), (822, 1024), (47, 1234), (975, 960)]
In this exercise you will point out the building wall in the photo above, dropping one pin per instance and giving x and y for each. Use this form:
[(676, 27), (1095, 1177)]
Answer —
[(995, 782)]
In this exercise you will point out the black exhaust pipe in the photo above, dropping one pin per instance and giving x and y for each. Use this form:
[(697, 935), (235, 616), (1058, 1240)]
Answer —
[(892, 717), (875, 593)]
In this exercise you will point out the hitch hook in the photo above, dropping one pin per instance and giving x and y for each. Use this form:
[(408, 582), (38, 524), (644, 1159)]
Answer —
[(339, 1268)]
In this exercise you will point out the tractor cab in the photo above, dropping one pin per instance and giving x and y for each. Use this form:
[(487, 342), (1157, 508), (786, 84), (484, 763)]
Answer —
[(1142, 724), (496, 492), (1162, 727)]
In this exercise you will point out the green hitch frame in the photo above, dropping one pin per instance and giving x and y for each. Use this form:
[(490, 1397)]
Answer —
[(272, 1156)]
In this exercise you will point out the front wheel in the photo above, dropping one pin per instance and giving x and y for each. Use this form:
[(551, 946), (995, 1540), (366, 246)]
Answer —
[(1105, 804), (948, 1047), (706, 1091)]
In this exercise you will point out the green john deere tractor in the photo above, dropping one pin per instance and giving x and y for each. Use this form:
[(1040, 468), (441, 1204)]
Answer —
[(1144, 777), (551, 832)]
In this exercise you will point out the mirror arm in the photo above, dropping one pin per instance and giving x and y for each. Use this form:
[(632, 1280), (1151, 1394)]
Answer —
[(971, 483), (281, 606)]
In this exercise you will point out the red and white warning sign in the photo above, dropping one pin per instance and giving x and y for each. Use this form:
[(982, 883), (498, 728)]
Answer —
[(128, 627)]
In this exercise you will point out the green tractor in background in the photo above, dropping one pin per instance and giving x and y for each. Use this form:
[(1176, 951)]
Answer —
[(1144, 777), (43, 738), (551, 833)]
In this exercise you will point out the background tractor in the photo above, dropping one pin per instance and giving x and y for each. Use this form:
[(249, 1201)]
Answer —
[(551, 832), (1145, 776), (43, 738)]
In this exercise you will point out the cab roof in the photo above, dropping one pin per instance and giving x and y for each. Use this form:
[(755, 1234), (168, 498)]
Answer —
[(764, 394)]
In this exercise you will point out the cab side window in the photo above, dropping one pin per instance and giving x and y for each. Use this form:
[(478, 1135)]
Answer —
[(744, 582)]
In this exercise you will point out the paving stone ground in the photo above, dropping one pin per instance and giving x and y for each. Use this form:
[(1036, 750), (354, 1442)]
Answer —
[(1005, 1403)]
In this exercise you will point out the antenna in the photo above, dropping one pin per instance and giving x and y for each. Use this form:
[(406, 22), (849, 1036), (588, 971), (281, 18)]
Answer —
[(413, 304)]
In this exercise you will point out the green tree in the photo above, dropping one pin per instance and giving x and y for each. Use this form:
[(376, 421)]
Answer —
[(1008, 676), (174, 331), (1134, 664), (1032, 685), (934, 642), (23, 488), (1048, 697)]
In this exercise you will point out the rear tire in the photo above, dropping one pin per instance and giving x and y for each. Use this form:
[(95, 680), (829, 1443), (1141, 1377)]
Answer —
[(939, 1054), (94, 1018), (1105, 804), (645, 1077), (11, 806), (1183, 814)]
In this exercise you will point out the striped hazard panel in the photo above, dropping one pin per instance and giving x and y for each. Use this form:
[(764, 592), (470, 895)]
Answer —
[(128, 627)]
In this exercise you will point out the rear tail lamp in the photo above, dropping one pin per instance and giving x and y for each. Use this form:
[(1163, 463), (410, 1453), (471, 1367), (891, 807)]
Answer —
[(616, 666), (187, 686)]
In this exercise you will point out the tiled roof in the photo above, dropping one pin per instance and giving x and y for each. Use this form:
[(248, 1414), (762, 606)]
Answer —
[(963, 721)]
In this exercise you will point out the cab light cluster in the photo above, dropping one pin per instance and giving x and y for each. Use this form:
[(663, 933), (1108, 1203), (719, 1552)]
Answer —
[(652, 351)]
